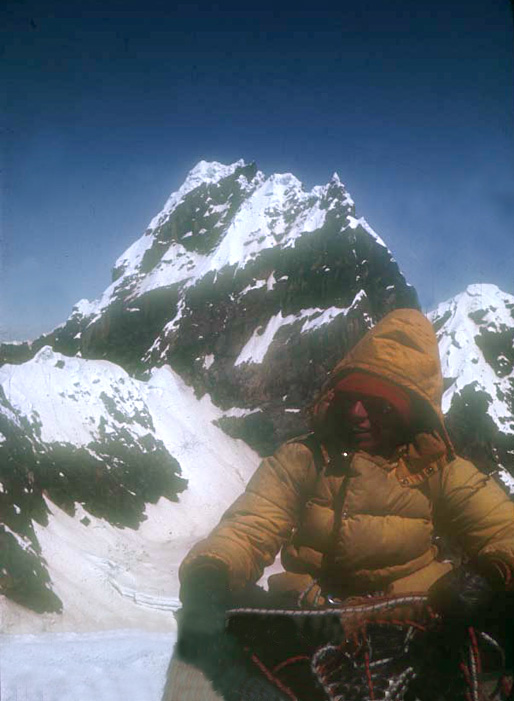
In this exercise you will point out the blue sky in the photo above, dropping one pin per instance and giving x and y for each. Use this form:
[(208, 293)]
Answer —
[(108, 104)]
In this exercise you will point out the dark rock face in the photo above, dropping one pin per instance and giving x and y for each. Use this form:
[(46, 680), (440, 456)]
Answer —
[(472, 430), (15, 352)]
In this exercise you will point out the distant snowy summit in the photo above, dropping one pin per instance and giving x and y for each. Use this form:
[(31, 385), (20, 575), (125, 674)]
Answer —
[(225, 219), (241, 282), (475, 331)]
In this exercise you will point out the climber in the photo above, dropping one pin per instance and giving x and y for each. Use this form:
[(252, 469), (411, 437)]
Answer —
[(356, 505)]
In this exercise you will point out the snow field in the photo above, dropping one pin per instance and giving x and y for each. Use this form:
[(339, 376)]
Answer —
[(109, 577), (118, 665)]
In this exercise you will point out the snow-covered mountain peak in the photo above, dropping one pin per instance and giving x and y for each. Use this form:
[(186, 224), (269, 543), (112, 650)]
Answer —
[(232, 221), (482, 306), (475, 330), (284, 180), (246, 289), (479, 289), (212, 171)]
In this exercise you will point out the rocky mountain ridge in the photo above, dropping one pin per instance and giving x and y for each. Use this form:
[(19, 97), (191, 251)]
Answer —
[(240, 283)]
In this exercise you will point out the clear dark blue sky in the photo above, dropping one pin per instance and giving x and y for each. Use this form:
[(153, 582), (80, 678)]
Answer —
[(107, 104)]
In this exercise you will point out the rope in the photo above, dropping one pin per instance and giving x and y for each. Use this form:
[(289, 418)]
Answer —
[(271, 678), (396, 689), (305, 593), (351, 609), (494, 643), (473, 674), (329, 659), (501, 686), (324, 670), (368, 676), (290, 661), (474, 647)]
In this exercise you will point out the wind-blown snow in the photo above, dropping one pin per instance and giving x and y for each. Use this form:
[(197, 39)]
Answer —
[(254, 286), (208, 361), (130, 260), (237, 412), (462, 360), (325, 317), (260, 222), (84, 307), (255, 349)]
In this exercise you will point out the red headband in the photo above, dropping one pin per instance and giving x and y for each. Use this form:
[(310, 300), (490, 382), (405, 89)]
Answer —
[(373, 386)]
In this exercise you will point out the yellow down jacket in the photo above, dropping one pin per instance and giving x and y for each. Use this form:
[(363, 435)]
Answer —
[(356, 521)]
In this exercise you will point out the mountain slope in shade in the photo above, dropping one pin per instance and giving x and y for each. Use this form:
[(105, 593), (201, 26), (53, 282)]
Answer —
[(93, 470), (475, 331)]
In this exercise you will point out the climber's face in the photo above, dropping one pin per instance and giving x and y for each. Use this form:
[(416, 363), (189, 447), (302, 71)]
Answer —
[(371, 424)]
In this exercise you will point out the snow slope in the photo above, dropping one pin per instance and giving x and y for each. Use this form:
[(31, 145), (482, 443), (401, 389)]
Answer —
[(106, 666), (107, 576)]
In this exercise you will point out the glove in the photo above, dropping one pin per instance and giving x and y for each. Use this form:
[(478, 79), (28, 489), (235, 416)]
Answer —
[(204, 641), (462, 596), (205, 594)]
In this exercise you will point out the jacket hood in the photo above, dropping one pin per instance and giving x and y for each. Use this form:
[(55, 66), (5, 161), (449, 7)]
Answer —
[(401, 348)]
